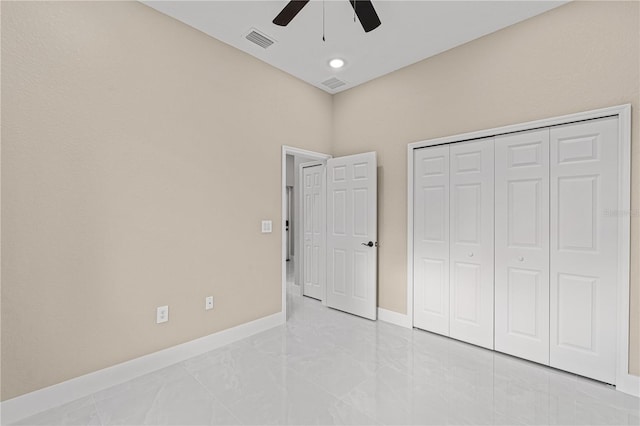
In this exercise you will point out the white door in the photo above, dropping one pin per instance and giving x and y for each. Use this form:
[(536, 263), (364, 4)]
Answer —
[(584, 247), (313, 227), (431, 239), (352, 234), (522, 245), (471, 244)]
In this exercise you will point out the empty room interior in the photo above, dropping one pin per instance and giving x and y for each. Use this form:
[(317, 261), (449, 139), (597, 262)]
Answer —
[(364, 212)]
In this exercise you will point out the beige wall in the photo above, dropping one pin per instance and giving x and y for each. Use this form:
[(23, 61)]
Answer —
[(124, 132), (139, 156), (578, 57)]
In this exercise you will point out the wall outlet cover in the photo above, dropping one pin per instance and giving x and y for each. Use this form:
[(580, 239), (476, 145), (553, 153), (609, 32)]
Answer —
[(162, 314), (208, 303)]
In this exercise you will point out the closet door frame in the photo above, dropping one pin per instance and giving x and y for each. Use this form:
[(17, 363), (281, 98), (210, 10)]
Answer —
[(624, 381)]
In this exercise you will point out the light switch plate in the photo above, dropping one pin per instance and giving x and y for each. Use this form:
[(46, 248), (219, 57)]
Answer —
[(266, 226), (208, 303), (162, 314)]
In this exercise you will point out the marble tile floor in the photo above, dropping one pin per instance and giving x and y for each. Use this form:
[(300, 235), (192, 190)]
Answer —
[(327, 367)]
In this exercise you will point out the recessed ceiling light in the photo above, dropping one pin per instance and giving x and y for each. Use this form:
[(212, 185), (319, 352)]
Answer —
[(336, 63)]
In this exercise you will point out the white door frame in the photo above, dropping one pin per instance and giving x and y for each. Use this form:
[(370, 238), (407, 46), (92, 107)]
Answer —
[(289, 150), (290, 216), (625, 382)]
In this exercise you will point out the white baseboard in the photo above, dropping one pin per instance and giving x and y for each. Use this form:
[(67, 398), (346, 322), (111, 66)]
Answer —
[(628, 384), (23, 406), (402, 320)]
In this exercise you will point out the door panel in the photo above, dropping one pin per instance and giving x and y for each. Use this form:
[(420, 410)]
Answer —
[(522, 245), (352, 223), (584, 248), (468, 199), (471, 249), (467, 288), (431, 241), (313, 227), (576, 317)]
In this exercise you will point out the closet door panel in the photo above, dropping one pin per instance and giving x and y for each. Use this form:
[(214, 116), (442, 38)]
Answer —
[(584, 248), (471, 246), (522, 245), (431, 239)]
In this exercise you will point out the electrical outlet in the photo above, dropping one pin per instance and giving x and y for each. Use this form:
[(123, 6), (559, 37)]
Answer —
[(162, 314), (208, 303)]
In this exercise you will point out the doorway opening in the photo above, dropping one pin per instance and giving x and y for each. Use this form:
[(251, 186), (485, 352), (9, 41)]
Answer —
[(292, 229), (333, 226)]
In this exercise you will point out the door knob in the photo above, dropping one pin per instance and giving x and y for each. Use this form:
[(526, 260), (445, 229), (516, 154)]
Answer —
[(521, 259), (470, 254), (370, 244)]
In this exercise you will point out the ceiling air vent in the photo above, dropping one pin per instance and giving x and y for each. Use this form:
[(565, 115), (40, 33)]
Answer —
[(333, 83), (258, 38)]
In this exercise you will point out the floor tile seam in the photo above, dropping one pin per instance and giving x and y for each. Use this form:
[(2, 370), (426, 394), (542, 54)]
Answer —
[(378, 364), (269, 355), (101, 413), (215, 398), (95, 406), (332, 395), (376, 422), (249, 370), (229, 410), (153, 402)]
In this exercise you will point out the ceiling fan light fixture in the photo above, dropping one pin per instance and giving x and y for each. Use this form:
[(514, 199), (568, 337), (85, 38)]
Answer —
[(336, 63)]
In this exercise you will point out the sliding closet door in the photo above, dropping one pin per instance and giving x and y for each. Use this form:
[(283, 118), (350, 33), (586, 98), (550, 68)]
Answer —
[(584, 247), (431, 239), (471, 245), (522, 245)]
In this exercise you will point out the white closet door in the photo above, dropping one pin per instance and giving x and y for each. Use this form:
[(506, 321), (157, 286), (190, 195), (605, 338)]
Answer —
[(313, 226), (584, 247), (471, 245), (522, 245), (431, 239)]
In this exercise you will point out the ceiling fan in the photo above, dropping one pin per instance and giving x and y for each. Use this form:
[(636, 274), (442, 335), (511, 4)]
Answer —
[(362, 8)]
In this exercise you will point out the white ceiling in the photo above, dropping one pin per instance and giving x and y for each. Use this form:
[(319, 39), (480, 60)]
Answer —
[(410, 31)]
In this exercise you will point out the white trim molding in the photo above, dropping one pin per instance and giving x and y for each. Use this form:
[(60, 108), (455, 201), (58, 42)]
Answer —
[(23, 406), (629, 384), (625, 382), (396, 318)]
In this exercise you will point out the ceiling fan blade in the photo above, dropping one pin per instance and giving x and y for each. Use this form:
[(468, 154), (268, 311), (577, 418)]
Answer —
[(366, 14), (289, 12)]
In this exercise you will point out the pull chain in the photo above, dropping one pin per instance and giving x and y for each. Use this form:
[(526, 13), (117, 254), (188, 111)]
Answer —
[(354, 10), (323, 25)]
